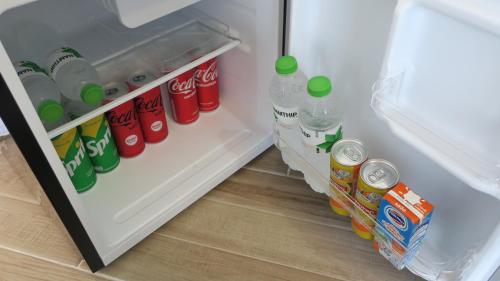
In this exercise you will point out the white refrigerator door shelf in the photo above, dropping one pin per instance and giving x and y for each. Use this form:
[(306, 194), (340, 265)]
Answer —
[(439, 86)]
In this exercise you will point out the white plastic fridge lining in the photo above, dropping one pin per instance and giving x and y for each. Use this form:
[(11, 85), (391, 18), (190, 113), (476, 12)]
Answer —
[(134, 13), (439, 86)]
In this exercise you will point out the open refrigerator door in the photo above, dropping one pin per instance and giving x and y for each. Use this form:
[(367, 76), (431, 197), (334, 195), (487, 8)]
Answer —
[(439, 62)]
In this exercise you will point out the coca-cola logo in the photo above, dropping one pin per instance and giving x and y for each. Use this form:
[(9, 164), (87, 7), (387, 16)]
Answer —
[(124, 119), (206, 76), (144, 105), (181, 88)]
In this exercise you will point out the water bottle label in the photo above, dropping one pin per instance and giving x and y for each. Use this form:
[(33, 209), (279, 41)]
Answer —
[(321, 141), (60, 57), (26, 69), (285, 116)]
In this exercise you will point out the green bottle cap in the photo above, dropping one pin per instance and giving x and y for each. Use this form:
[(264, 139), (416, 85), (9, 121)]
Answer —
[(286, 65), (92, 94), (50, 111), (319, 86)]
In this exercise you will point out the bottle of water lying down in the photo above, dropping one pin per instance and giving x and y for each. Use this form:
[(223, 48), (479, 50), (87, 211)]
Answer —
[(320, 124), (75, 77), (286, 91), (43, 93)]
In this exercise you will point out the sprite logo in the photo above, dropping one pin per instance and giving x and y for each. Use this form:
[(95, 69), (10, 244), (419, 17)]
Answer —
[(75, 159), (96, 148), (74, 163), (99, 143)]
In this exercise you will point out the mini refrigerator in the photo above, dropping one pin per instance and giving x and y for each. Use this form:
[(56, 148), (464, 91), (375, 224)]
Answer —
[(417, 80)]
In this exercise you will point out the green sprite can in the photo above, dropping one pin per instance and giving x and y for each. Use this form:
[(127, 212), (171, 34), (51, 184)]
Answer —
[(99, 143), (75, 159)]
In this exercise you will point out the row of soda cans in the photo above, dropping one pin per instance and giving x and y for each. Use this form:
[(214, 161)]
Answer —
[(96, 145), (383, 204)]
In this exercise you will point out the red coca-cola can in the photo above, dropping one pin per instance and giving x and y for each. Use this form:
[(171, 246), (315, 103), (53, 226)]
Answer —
[(150, 108), (183, 97), (207, 85), (124, 122)]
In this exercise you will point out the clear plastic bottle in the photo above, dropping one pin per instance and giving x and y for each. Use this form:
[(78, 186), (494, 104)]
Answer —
[(75, 109), (43, 93), (321, 126), (286, 92), (75, 77)]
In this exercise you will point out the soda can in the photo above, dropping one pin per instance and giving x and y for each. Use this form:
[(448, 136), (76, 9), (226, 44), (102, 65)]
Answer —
[(346, 158), (150, 108), (207, 85), (124, 122), (363, 221), (99, 143), (182, 95), (376, 178), (75, 159)]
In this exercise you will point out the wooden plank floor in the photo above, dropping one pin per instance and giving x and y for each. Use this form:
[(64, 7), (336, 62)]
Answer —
[(263, 223)]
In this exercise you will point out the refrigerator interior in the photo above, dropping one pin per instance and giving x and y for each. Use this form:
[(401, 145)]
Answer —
[(347, 41), (144, 192)]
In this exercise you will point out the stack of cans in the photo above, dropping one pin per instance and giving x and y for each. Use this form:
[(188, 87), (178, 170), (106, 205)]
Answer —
[(96, 145), (356, 180), (84, 151)]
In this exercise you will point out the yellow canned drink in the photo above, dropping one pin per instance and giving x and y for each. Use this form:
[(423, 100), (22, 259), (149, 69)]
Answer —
[(346, 158), (363, 222), (375, 179), (75, 159)]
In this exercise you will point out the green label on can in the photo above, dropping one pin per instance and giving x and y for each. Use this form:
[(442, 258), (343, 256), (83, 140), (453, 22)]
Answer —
[(75, 159), (100, 145)]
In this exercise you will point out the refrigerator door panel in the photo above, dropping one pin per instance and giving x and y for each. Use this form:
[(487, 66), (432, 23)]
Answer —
[(439, 84), (143, 193), (347, 41)]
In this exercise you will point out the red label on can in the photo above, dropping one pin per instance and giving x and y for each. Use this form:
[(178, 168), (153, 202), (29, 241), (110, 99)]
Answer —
[(126, 129), (207, 85), (152, 116), (183, 98)]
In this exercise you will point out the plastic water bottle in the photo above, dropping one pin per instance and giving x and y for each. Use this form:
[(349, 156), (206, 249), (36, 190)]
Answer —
[(286, 92), (43, 93), (320, 124), (76, 109), (75, 77)]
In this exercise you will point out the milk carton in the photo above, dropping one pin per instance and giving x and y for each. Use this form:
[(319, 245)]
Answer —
[(402, 222)]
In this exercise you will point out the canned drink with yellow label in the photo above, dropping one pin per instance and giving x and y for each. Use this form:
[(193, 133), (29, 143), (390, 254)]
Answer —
[(346, 158), (100, 145), (77, 163), (376, 178), (363, 221)]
